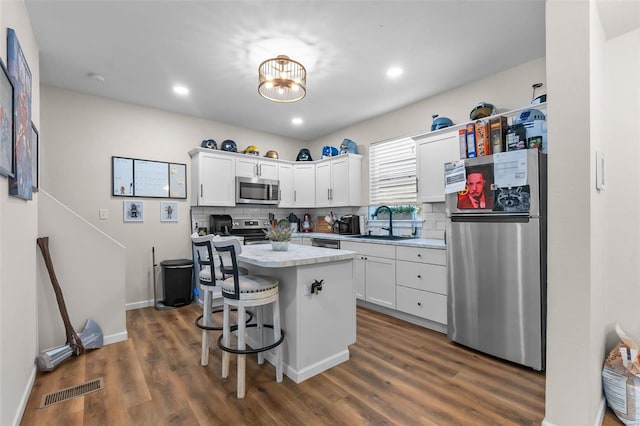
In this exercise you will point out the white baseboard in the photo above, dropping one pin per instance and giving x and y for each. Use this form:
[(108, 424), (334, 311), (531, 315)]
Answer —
[(602, 408), (149, 303), (139, 305), (317, 368), (115, 338), (25, 396), (422, 322), (299, 376)]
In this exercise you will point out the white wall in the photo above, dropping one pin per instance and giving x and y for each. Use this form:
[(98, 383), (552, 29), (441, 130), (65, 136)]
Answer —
[(92, 287), (18, 232), (507, 90), (83, 132), (622, 106), (593, 246)]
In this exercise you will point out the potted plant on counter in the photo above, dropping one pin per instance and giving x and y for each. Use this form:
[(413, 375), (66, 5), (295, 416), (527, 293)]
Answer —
[(280, 236)]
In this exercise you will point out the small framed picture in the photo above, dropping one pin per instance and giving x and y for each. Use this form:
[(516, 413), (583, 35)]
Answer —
[(168, 212), (133, 211)]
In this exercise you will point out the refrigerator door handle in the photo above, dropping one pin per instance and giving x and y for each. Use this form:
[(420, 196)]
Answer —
[(492, 218)]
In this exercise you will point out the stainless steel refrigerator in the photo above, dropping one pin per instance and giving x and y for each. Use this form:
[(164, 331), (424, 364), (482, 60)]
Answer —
[(496, 258)]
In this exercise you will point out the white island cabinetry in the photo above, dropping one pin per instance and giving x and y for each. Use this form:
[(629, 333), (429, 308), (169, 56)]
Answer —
[(318, 327)]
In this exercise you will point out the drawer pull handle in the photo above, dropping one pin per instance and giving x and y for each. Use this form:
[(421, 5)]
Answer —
[(419, 255), (419, 276), (419, 304)]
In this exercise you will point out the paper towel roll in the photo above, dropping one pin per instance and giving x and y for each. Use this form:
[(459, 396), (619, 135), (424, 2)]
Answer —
[(362, 225)]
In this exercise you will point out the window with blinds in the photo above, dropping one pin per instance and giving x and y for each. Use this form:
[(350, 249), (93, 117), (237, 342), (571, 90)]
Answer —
[(392, 172)]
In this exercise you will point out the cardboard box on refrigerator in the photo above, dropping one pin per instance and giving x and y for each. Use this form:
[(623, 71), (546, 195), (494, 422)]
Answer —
[(498, 127), (471, 140), (482, 138)]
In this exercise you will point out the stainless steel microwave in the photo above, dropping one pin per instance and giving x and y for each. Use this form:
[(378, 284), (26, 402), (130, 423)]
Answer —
[(257, 191)]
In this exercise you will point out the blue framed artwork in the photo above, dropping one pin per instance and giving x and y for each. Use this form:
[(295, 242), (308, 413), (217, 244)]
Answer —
[(20, 184), (6, 123)]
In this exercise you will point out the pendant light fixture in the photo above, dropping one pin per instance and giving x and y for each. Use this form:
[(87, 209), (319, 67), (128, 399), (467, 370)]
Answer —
[(282, 79)]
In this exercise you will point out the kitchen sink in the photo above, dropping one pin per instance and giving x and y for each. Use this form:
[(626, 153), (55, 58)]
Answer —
[(381, 237)]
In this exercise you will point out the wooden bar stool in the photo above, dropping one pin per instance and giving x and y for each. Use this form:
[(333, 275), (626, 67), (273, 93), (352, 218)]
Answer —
[(207, 277), (242, 291)]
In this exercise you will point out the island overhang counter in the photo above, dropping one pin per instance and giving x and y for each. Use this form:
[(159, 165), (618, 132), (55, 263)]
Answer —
[(319, 326)]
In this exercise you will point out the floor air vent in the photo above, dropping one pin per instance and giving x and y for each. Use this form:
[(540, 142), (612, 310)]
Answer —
[(72, 392)]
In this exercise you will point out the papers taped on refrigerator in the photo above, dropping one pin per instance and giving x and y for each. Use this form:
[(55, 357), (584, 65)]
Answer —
[(455, 177)]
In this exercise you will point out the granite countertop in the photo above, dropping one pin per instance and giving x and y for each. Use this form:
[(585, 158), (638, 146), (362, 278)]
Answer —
[(297, 255), (408, 242)]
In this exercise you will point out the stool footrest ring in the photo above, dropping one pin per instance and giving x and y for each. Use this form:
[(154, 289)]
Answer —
[(251, 351), (217, 311)]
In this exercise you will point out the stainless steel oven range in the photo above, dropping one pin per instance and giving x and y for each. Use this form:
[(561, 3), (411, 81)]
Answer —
[(252, 230)]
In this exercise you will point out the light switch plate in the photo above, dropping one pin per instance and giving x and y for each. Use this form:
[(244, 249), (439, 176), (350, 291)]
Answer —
[(104, 214), (601, 162)]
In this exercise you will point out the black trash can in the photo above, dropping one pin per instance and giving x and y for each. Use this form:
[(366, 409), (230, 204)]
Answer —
[(176, 281)]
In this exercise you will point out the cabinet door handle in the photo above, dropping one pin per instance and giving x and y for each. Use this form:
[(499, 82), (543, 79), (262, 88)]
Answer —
[(328, 194), (259, 169), (419, 255), (294, 195), (201, 191), (419, 276), (419, 304)]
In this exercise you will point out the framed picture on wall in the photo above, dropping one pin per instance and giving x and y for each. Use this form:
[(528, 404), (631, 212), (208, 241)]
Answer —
[(6, 123), (168, 212), (133, 211), (35, 136), (20, 75)]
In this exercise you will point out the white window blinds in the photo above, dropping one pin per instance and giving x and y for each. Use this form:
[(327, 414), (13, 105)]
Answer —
[(392, 172)]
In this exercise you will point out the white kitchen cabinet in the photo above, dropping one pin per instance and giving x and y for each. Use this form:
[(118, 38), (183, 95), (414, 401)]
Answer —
[(339, 181), (374, 272), (252, 167), (285, 176), (433, 152), (304, 183), (421, 281), (213, 179)]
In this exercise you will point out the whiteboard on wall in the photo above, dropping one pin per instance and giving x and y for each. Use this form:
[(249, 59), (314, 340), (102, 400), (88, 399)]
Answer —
[(150, 179), (133, 177), (177, 180)]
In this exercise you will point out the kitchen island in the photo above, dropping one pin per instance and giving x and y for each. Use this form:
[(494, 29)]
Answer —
[(319, 325)]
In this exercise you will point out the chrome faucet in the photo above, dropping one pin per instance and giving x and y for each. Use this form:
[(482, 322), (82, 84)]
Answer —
[(390, 228)]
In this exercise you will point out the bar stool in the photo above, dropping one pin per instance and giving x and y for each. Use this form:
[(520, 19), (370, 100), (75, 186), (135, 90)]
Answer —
[(206, 260), (242, 291)]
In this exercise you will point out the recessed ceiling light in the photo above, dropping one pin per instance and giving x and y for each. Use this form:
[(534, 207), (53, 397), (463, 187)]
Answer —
[(394, 72), (180, 90), (296, 121)]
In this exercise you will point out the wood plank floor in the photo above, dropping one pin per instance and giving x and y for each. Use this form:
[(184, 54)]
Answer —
[(398, 374)]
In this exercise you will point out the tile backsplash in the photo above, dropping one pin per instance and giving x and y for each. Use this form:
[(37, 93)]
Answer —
[(433, 215), (431, 225)]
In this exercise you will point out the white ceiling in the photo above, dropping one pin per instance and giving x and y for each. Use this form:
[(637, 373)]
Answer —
[(142, 48)]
